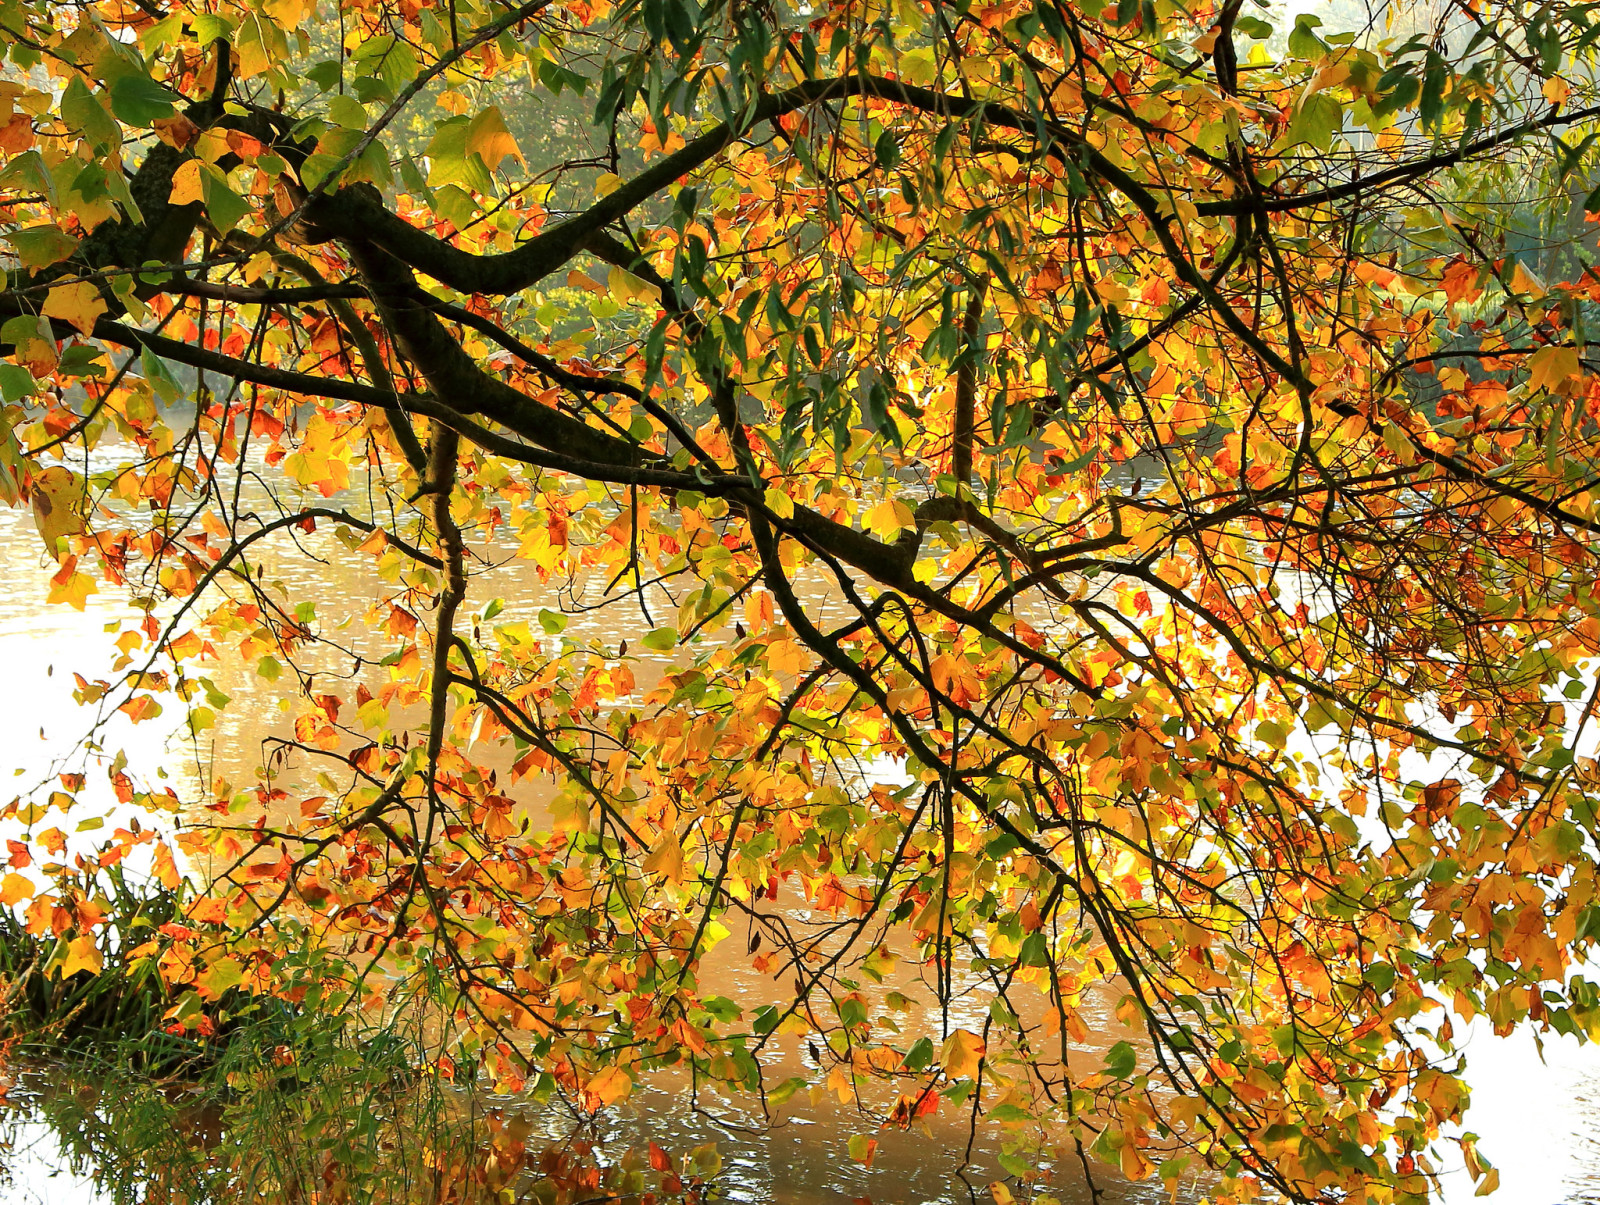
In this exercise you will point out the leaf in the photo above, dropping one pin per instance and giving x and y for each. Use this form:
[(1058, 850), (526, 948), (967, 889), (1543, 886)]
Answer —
[(863, 1148), (40, 246), (177, 132), (224, 206), (489, 139), (221, 976), (15, 888), (166, 868), (706, 1159), (1551, 367), (449, 161), (920, 1055), (660, 640), (186, 185), (79, 303), (84, 111), (1134, 1165), (1526, 283), (137, 100), (779, 503), (666, 858), (1316, 121), (962, 1054), (1121, 1061), (81, 955), (889, 518), (1303, 43), (626, 287), (59, 498), (785, 1090), (610, 1086)]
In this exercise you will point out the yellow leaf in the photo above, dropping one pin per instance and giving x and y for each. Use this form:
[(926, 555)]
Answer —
[(488, 138), (72, 588), (667, 857), (223, 974), (58, 505), (625, 286), (1550, 366), (1525, 282), (186, 186), (889, 518), (15, 888), (963, 1052), (82, 955), (779, 503), (79, 303)]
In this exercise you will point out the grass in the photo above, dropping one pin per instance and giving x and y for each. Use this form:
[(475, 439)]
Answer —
[(41, 1009)]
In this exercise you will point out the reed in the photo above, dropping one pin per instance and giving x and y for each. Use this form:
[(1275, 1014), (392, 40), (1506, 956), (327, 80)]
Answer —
[(123, 1005)]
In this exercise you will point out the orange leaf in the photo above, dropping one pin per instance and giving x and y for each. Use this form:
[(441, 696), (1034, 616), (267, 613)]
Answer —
[(610, 1086), (488, 138)]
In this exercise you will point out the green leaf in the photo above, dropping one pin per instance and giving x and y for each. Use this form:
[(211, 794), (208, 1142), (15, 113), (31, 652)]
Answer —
[(1316, 121), (1014, 1165), (224, 206), (920, 1055), (325, 75), (1303, 44), (137, 100), (887, 149), (553, 622), (1121, 1060), (661, 640), (449, 161), (16, 382), (39, 246), (160, 377), (1272, 734), (390, 59), (785, 1090), (81, 110)]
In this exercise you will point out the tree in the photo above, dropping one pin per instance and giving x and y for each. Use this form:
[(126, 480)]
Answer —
[(1084, 503)]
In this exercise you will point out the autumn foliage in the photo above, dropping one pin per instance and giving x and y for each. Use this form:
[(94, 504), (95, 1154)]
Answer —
[(980, 503)]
